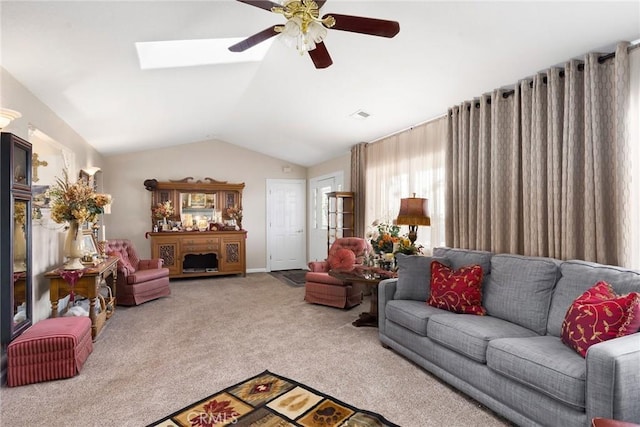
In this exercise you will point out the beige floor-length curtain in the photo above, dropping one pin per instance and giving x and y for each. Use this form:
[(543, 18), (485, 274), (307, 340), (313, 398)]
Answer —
[(543, 170), (358, 185), (409, 162)]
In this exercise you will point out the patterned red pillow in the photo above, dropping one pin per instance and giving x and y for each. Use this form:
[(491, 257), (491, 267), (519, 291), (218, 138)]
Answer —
[(458, 291), (599, 315), (342, 259)]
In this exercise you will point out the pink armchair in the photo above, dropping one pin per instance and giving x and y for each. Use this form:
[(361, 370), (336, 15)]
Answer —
[(139, 280), (320, 288)]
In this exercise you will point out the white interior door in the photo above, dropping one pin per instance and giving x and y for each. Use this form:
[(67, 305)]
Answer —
[(318, 189), (286, 242)]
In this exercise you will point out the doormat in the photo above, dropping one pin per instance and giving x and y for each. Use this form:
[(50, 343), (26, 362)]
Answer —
[(291, 277), (269, 399)]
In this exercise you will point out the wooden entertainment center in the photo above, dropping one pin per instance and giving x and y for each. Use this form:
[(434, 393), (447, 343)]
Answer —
[(189, 252)]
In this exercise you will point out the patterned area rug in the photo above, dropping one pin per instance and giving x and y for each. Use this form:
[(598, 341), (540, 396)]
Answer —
[(291, 277), (270, 400)]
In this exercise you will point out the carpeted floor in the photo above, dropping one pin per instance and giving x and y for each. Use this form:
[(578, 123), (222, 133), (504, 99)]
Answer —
[(151, 360), (291, 277), (269, 399)]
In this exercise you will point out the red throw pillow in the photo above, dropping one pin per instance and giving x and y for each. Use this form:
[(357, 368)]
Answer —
[(342, 259), (458, 291), (599, 315)]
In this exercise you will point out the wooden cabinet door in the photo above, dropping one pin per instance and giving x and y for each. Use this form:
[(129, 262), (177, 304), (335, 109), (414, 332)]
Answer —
[(232, 255), (167, 249)]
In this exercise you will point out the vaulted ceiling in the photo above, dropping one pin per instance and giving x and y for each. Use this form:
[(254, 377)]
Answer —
[(79, 58)]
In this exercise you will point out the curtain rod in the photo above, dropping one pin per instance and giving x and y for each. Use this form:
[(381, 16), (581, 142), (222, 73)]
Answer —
[(601, 60), (433, 119)]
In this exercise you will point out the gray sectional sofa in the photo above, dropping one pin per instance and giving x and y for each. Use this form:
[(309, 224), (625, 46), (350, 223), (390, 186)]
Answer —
[(512, 360)]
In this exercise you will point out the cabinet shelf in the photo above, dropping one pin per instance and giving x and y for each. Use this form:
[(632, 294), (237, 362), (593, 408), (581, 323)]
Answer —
[(341, 216)]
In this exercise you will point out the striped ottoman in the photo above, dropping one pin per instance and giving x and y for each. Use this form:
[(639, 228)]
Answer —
[(49, 350)]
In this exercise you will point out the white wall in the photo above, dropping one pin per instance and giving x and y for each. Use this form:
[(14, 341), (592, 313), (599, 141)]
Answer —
[(342, 163)]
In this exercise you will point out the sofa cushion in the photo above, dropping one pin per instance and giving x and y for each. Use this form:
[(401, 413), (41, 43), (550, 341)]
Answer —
[(458, 291), (577, 277), (542, 363), (520, 290), (414, 276), (321, 277), (141, 276), (470, 335), (410, 314), (463, 257), (599, 315)]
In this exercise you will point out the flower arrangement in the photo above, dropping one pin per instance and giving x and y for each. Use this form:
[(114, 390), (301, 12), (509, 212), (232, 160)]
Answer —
[(235, 213), (383, 236), (75, 202), (163, 210), (405, 247)]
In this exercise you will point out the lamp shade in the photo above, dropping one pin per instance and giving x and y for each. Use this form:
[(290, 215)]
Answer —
[(413, 211)]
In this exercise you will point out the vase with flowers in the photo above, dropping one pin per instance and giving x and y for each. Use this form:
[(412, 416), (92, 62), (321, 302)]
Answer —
[(383, 237), (163, 211), (75, 204), (235, 213)]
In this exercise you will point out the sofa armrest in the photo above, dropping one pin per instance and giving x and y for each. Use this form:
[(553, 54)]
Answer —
[(386, 291), (613, 379), (319, 266), (149, 264)]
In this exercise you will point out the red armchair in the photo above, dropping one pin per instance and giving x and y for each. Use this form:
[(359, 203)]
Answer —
[(320, 288), (139, 280)]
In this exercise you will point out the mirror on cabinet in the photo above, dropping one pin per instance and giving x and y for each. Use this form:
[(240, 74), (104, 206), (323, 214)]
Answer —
[(20, 230), (189, 205)]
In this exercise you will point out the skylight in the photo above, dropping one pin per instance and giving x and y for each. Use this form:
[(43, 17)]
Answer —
[(189, 53)]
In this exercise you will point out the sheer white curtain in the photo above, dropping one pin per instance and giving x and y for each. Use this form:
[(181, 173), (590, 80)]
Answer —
[(400, 165)]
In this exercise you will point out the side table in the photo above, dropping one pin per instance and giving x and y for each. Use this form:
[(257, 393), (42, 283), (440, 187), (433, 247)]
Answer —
[(371, 280), (87, 285)]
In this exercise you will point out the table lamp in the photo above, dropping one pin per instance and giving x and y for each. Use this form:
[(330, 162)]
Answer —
[(414, 211)]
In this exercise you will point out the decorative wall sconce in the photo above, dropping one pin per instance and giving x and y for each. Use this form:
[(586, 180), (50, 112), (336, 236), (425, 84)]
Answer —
[(7, 116)]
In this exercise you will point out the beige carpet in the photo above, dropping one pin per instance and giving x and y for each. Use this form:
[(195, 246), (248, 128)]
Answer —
[(159, 357)]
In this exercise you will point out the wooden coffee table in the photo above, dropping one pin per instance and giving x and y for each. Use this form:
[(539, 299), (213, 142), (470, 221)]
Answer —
[(370, 279)]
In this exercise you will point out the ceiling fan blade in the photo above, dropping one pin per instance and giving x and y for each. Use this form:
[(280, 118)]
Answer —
[(371, 26), (245, 44), (262, 4), (320, 56)]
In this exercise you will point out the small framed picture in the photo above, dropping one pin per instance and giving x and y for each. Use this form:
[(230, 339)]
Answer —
[(89, 244), (197, 200)]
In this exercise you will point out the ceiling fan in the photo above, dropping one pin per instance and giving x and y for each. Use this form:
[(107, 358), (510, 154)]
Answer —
[(306, 30)]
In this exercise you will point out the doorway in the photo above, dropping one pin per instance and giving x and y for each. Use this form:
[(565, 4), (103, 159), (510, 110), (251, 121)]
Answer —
[(286, 231), (318, 189)]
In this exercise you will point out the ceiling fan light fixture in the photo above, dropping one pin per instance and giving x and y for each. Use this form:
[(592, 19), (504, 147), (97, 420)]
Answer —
[(293, 34)]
